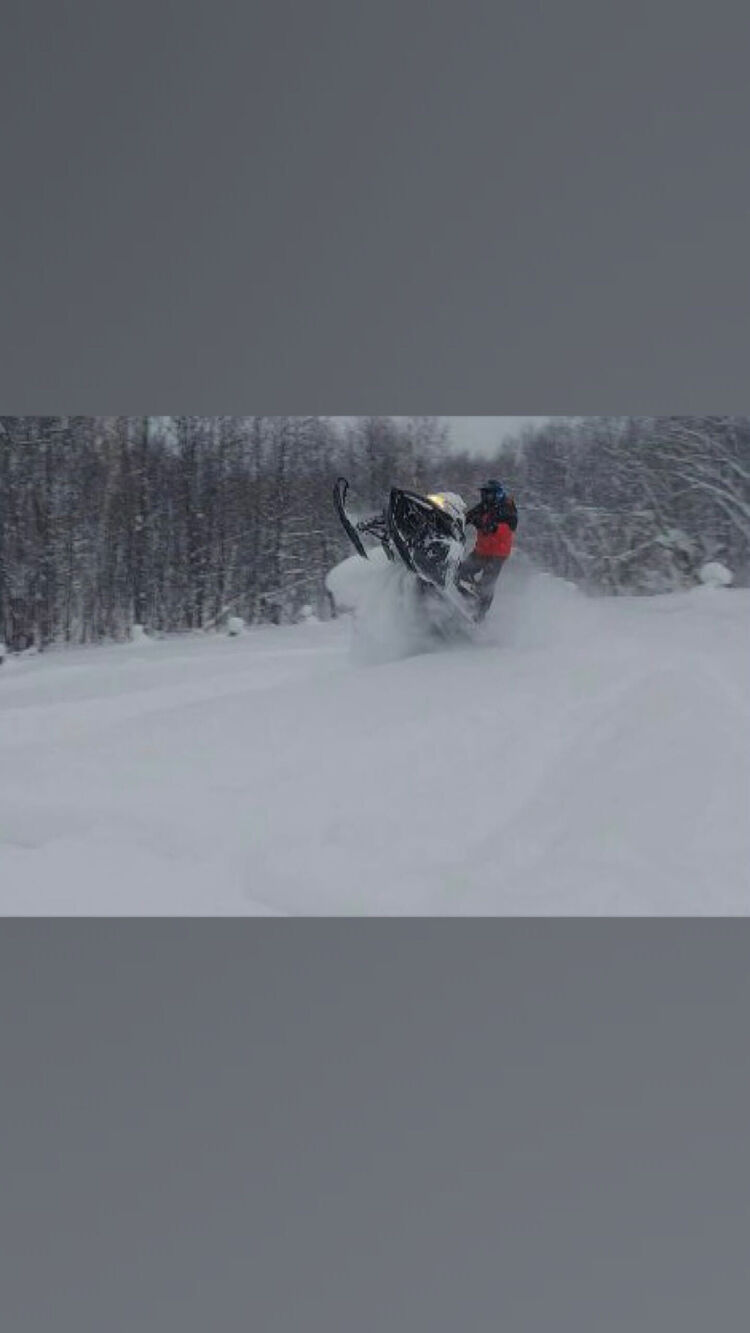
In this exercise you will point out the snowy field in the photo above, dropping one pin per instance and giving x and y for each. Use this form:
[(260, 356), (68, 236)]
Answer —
[(582, 756)]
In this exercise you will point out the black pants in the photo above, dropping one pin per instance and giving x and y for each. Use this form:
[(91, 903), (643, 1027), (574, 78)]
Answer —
[(482, 571)]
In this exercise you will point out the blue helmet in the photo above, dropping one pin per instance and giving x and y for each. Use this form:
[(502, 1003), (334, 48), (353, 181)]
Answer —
[(494, 490)]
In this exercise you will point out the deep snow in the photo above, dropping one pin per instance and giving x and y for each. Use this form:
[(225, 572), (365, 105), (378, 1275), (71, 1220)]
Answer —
[(581, 756)]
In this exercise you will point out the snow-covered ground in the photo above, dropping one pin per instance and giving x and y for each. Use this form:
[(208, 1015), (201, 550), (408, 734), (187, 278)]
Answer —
[(582, 756)]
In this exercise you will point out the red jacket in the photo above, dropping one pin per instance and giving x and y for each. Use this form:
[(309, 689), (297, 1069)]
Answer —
[(498, 543), (495, 529)]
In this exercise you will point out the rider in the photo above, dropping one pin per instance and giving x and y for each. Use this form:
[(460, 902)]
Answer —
[(495, 519)]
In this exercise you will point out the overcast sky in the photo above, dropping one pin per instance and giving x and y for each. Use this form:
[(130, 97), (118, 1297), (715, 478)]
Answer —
[(481, 435), (478, 435)]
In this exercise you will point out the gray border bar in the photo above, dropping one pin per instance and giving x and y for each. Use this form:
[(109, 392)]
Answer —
[(293, 208), (424, 1126)]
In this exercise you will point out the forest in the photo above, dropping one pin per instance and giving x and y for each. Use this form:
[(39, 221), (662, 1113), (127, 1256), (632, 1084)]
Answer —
[(176, 523)]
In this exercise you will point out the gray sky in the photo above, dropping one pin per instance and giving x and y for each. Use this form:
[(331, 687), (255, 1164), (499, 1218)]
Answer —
[(481, 435), (478, 435)]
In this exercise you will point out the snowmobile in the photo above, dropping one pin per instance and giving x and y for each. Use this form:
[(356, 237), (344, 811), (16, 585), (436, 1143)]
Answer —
[(427, 535)]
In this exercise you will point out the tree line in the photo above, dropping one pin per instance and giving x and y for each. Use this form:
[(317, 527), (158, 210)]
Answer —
[(627, 504), (174, 523)]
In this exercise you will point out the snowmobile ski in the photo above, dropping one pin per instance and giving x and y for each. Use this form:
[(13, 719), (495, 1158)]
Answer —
[(339, 498)]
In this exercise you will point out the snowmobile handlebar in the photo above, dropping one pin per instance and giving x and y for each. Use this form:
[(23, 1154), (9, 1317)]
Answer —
[(375, 526)]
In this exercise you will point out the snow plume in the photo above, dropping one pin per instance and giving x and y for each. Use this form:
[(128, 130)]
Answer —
[(390, 620), (532, 609)]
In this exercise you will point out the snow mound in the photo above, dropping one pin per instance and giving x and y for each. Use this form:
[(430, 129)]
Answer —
[(715, 575)]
